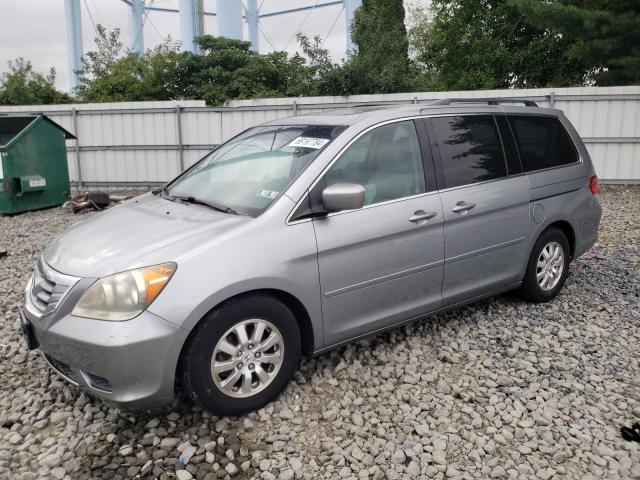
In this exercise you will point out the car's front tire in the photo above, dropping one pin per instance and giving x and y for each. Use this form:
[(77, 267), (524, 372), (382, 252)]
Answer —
[(547, 268), (241, 355)]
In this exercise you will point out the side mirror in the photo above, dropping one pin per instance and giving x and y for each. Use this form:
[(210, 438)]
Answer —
[(343, 196)]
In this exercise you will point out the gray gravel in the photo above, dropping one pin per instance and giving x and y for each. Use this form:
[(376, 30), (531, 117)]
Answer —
[(499, 389)]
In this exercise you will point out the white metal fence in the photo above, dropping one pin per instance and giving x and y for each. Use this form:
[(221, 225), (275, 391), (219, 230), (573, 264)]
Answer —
[(139, 143)]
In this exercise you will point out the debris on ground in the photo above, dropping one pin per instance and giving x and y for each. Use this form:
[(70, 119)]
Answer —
[(97, 200), (592, 255), (631, 434)]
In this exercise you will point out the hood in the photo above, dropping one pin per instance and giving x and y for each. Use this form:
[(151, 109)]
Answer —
[(143, 231)]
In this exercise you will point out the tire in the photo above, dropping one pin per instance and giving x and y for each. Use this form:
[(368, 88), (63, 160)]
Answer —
[(531, 288), (267, 378)]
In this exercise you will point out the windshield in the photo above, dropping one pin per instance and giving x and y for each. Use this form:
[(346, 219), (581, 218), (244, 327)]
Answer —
[(246, 174)]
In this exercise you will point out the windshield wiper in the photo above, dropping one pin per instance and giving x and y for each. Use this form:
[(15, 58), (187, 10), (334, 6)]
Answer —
[(164, 193), (197, 201)]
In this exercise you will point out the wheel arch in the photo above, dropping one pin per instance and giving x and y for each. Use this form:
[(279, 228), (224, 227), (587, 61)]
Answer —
[(569, 232), (290, 301)]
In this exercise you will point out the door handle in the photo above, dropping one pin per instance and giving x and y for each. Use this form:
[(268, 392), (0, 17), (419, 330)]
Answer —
[(421, 216), (463, 207)]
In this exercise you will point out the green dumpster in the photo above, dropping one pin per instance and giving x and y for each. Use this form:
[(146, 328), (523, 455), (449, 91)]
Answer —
[(33, 163)]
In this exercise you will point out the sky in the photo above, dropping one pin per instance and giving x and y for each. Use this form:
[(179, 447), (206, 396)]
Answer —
[(36, 30)]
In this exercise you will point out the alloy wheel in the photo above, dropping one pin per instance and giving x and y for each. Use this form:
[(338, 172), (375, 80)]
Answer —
[(550, 266), (247, 358)]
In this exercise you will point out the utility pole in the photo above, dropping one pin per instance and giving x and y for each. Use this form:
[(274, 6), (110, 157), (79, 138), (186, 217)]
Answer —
[(74, 40), (229, 15), (136, 26), (200, 18), (253, 21), (350, 7)]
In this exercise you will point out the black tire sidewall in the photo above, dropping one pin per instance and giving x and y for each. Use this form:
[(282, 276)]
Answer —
[(197, 378), (531, 289)]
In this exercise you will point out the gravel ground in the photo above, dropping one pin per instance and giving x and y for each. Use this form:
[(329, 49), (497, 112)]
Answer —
[(499, 389)]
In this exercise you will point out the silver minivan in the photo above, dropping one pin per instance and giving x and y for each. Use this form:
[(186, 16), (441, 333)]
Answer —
[(303, 234)]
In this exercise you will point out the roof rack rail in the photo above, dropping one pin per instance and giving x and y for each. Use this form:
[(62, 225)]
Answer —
[(490, 101)]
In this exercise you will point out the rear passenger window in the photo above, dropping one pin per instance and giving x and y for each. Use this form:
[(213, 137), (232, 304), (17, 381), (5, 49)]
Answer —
[(543, 142), (470, 149)]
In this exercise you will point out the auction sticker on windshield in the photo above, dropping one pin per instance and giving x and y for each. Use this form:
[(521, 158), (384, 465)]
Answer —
[(309, 142), (271, 194)]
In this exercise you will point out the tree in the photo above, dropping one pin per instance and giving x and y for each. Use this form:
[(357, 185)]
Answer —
[(228, 69), (22, 85), (486, 44), (224, 69), (381, 62), (318, 74), (112, 74), (601, 35)]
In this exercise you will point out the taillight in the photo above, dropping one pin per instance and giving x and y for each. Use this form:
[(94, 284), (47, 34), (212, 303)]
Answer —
[(594, 186)]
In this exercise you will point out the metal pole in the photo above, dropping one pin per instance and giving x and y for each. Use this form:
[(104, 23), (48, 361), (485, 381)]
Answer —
[(74, 41), (136, 26), (74, 113), (221, 120), (253, 19), (200, 18), (188, 25), (229, 16), (350, 7), (179, 135), (552, 100)]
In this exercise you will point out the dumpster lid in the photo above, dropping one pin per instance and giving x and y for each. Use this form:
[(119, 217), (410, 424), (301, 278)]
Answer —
[(13, 127)]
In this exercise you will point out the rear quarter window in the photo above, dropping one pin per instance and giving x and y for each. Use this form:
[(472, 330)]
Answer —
[(543, 142), (470, 149)]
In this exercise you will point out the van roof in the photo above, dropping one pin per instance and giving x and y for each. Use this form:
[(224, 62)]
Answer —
[(374, 113)]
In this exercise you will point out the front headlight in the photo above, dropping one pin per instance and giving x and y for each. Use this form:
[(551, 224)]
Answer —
[(124, 295)]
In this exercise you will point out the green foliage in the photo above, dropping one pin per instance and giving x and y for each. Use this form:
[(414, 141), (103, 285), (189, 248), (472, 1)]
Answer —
[(22, 85), (111, 74), (319, 75), (228, 69), (223, 69), (452, 45), (486, 44), (601, 35), (381, 62)]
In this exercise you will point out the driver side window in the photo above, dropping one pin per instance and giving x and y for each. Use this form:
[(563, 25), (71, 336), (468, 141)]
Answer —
[(386, 161)]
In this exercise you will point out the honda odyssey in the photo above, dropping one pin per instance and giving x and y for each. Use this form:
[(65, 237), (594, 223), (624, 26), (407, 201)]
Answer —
[(303, 234)]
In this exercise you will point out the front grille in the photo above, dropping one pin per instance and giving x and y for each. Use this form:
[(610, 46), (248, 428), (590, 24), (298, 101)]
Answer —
[(62, 368), (48, 287)]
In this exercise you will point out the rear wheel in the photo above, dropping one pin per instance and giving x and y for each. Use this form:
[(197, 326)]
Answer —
[(242, 355), (547, 268)]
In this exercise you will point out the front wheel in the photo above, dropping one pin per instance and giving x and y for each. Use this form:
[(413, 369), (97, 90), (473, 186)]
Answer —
[(242, 355), (547, 268)]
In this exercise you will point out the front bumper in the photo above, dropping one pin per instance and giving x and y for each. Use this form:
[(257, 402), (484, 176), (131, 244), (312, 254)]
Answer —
[(131, 363)]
